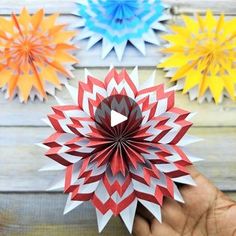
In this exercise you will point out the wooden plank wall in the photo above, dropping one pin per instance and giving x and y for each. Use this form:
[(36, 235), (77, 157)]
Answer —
[(25, 207)]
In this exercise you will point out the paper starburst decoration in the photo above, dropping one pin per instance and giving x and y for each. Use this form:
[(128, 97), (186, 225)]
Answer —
[(203, 57), (117, 22), (35, 56), (139, 159)]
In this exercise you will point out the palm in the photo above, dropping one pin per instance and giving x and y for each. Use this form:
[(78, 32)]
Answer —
[(206, 211)]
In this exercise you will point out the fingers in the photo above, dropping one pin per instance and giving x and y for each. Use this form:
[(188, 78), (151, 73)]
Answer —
[(203, 193), (176, 215), (162, 229), (193, 172), (141, 226), (203, 185), (143, 212), (173, 214), (197, 176)]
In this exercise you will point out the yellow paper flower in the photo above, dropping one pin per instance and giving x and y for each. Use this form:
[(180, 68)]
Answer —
[(35, 56), (203, 60)]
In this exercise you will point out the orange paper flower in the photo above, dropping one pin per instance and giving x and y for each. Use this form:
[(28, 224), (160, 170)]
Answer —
[(34, 50)]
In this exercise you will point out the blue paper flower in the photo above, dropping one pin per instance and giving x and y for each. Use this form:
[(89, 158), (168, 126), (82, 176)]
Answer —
[(116, 22)]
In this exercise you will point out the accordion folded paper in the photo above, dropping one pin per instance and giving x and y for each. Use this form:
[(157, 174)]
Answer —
[(203, 57), (117, 22), (35, 56), (120, 143)]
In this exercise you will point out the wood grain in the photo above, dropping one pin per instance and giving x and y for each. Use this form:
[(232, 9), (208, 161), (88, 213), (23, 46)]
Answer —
[(131, 55), (193, 6), (13, 113), (66, 7), (20, 159), (26, 209), (50, 6), (31, 214), (42, 214)]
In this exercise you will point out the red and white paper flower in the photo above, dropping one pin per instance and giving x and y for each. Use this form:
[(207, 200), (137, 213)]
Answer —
[(140, 160)]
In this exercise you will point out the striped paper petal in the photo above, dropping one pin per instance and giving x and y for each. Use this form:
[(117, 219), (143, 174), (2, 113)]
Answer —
[(35, 55), (117, 167), (118, 22)]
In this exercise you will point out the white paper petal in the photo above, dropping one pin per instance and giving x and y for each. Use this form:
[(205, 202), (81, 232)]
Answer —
[(128, 215), (153, 208), (71, 205), (103, 219), (73, 93), (119, 49), (107, 46), (139, 44), (187, 179), (149, 82), (93, 40), (135, 77)]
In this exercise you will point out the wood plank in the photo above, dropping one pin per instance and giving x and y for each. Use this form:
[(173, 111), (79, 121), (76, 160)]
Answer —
[(13, 113), (232, 195), (66, 7), (42, 214), (50, 6), (20, 159), (193, 6), (131, 56)]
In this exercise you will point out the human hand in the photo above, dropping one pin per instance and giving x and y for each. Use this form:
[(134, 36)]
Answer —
[(206, 212)]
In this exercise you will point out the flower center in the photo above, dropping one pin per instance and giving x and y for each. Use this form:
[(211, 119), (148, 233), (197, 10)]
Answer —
[(121, 10), (120, 143), (26, 47), (23, 51), (119, 139)]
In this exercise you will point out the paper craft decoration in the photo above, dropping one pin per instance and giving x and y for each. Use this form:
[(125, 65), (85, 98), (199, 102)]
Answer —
[(35, 56), (142, 159), (117, 22), (203, 58)]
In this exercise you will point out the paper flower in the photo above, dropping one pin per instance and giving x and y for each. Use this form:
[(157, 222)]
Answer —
[(117, 22), (34, 52), (139, 160), (203, 57)]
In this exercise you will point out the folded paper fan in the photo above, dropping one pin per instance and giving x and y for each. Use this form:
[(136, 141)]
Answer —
[(35, 56), (120, 143), (117, 22), (203, 57)]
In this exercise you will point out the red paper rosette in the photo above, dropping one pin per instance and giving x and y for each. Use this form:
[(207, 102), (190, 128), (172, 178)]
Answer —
[(138, 160)]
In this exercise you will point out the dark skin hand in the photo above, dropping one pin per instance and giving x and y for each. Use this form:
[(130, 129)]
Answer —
[(206, 212)]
